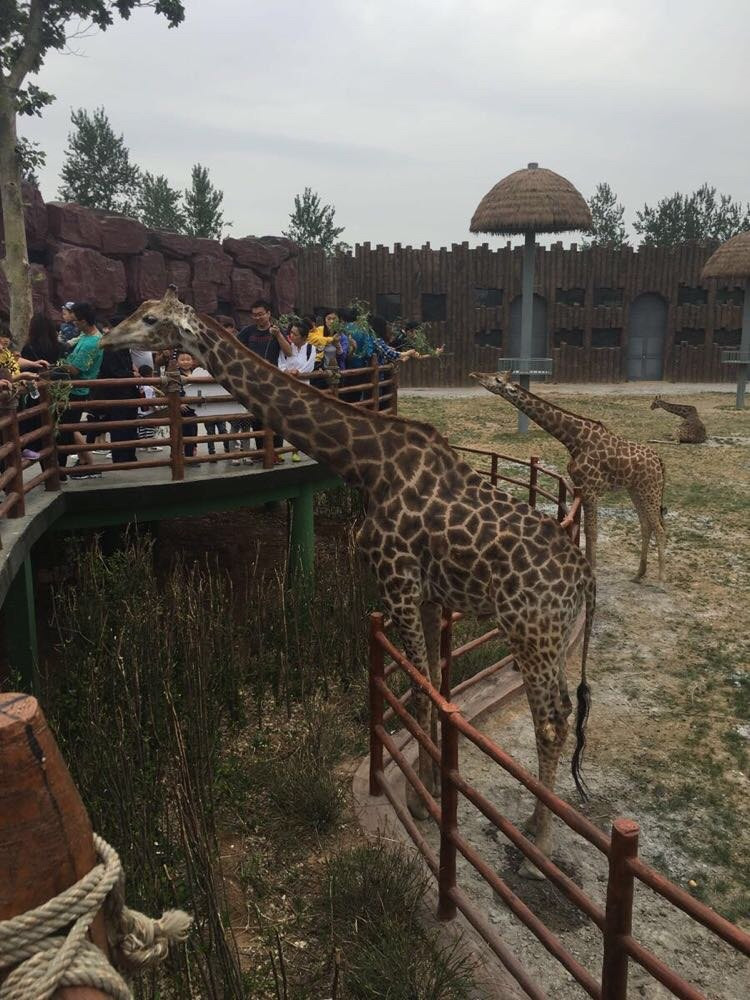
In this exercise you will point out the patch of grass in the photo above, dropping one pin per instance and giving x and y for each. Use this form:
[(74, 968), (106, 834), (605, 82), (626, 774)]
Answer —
[(373, 899), (302, 785)]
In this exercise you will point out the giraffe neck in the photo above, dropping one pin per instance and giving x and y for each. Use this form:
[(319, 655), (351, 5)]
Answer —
[(359, 445), (568, 428), (680, 411)]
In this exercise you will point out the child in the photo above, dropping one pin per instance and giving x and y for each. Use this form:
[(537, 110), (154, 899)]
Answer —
[(147, 432)]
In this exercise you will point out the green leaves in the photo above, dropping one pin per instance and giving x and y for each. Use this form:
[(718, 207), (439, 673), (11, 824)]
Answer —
[(312, 224), (607, 227), (202, 206), (159, 204), (98, 172), (698, 216)]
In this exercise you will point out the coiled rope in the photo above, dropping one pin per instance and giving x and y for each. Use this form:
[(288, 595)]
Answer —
[(49, 960)]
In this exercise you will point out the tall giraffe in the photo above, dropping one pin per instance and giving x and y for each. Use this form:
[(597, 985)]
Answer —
[(599, 461), (692, 429), (436, 533)]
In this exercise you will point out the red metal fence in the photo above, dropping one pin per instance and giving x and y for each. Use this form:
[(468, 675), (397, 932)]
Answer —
[(621, 848), (35, 427)]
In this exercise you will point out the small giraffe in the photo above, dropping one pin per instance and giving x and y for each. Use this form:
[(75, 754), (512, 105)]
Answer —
[(599, 461), (436, 533), (692, 429)]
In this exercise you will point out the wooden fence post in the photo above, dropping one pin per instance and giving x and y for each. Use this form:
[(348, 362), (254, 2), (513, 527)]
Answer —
[(46, 842), (446, 653), (377, 672), (53, 462), (533, 479), (174, 409), (10, 434), (493, 469), (562, 492), (269, 453), (448, 814), (619, 910), (375, 382), (394, 389)]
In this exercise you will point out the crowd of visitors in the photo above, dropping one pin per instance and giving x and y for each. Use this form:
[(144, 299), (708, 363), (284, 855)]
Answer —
[(317, 348)]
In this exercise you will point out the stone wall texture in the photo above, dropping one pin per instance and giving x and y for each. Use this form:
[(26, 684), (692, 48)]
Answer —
[(115, 263)]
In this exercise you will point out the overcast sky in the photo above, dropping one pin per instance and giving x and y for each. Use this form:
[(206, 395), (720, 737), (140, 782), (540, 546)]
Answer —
[(404, 113)]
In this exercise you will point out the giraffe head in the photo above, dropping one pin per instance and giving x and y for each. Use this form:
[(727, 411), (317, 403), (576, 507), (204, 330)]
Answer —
[(656, 403), (500, 384), (157, 325)]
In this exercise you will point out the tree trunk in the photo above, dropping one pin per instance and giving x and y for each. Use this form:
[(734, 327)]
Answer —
[(16, 261)]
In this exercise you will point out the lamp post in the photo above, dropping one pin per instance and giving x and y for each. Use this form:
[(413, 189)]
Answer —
[(530, 201)]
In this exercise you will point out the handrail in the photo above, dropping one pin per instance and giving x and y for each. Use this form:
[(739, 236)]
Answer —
[(620, 848), (372, 388)]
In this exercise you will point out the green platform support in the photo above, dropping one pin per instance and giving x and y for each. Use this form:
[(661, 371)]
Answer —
[(19, 628), (302, 537)]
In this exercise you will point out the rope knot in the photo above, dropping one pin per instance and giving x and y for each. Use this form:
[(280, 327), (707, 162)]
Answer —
[(49, 960)]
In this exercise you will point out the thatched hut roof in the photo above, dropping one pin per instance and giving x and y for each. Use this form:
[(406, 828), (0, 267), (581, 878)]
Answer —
[(531, 200), (731, 260)]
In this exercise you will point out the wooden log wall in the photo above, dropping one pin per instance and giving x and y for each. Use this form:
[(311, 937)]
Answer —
[(588, 293)]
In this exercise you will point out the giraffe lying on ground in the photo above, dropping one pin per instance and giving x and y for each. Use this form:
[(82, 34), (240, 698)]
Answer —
[(692, 429), (436, 533), (599, 461)]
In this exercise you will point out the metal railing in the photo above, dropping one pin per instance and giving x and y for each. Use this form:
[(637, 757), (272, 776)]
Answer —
[(620, 848), (34, 427)]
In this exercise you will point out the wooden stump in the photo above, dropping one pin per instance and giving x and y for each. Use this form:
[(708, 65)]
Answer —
[(46, 841)]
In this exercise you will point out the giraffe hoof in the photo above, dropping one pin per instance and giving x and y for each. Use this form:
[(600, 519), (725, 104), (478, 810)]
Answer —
[(529, 871), (416, 806)]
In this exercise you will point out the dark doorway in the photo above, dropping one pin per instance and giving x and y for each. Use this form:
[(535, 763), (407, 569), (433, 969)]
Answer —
[(647, 328), (538, 328)]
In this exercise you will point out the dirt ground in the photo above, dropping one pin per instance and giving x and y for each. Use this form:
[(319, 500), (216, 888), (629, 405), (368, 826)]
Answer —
[(669, 733)]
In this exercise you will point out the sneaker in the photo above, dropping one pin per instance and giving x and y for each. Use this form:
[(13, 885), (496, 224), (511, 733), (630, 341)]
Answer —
[(236, 461), (247, 461), (85, 474), (30, 455), (295, 456)]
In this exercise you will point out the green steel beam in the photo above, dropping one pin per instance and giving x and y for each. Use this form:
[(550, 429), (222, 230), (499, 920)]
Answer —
[(19, 628), (302, 538), (112, 515)]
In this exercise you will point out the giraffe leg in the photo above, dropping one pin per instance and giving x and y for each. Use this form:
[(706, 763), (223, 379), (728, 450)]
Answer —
[(530, 824), (590, 530), (405, 614), (431, 620), (645, 536), (550, 707), (661, 542)]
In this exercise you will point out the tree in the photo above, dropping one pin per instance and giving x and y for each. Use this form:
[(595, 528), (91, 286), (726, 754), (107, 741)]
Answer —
[(158, 205), (312, 224), (30, 157), (29, 29), (97, 171), (697, 216), (202, 206), (607, 227)]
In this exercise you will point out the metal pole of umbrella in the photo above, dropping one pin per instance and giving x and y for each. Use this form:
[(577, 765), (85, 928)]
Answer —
[(744, 351), (527, 322)]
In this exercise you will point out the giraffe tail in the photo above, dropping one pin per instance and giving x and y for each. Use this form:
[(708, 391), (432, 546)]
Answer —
[(662, 508), (583, 693)]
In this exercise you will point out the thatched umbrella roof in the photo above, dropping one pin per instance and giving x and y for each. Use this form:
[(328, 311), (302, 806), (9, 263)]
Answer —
[(731, 260), (531, 200)]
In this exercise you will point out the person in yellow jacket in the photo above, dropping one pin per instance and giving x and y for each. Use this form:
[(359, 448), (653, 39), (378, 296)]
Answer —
[(321, 336)]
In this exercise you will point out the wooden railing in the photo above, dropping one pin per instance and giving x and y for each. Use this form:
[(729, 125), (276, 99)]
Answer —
[(614, 922), (374, 388), (621, 848)]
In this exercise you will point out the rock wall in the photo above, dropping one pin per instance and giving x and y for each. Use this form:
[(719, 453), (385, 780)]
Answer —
[(115, 263)]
